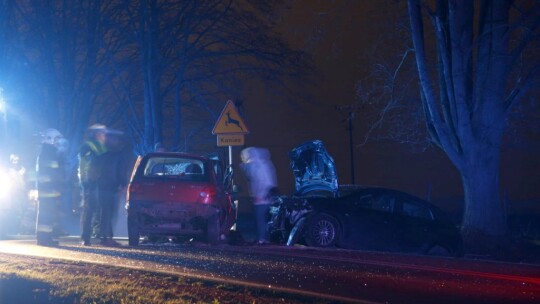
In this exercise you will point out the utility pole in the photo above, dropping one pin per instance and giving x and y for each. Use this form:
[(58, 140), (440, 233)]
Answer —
[(350, 112)]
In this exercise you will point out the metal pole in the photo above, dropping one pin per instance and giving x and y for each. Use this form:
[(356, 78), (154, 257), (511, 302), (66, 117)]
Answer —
[(350, 111), (233, 228), (231, 171), (351, 149)]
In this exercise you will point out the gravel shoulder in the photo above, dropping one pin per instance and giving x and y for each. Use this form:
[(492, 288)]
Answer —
[(46, 281)]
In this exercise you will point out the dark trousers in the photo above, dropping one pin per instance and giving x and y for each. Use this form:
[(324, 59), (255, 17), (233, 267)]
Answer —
[(107, 209), (261, 212), (90, 205), (47, 214)]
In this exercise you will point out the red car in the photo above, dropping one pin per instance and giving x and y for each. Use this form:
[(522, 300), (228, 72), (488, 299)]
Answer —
[(178, 194)]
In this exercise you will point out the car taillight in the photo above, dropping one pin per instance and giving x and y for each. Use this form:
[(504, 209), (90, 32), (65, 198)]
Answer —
[(207, 195)]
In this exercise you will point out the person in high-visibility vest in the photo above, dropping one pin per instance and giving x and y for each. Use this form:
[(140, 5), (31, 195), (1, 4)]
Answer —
[(90, 169), (50, 181)]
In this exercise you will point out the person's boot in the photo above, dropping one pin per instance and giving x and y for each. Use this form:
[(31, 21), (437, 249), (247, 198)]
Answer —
[(109, 242), (45, 239)]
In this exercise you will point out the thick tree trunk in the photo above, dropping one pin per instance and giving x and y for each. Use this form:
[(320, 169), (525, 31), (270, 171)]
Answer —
[(484, 211), (467, 118), (484, 227)]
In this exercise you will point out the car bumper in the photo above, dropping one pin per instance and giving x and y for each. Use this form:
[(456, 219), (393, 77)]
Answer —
[(171, 218)]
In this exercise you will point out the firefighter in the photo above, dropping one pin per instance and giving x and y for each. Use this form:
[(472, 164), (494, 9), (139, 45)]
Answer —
[(18, 190), (50, 182)]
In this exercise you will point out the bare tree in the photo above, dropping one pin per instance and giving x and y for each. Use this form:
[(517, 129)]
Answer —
[(193, 56), (65, 43), (481, 71)]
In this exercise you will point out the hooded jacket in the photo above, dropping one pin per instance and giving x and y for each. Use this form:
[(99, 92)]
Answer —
[(260, 173)]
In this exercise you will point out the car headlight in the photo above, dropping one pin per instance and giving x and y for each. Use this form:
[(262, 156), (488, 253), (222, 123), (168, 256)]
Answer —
[(33, 195)]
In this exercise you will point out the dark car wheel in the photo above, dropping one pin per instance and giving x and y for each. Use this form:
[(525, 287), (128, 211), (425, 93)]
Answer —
[(133, 231), (322, 231), (155, 238), (437, 250)]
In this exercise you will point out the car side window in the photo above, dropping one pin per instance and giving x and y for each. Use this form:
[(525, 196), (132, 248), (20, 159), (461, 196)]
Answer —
[(414, 209), (375, 202), (362, 201), (383, 203)]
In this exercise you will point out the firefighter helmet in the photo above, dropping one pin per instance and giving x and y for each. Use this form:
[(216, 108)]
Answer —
[(51, 136)]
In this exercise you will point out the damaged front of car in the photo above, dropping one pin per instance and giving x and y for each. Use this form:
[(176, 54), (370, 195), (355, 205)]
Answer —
[(315, 176), (314, 170)]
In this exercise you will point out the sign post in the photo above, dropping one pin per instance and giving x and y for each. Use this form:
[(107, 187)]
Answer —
[(230, 130)]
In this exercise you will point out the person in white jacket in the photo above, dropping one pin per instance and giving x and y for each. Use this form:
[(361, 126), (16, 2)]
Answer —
[(261, 175)]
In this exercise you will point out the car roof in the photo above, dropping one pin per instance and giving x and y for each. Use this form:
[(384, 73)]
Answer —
[(176, 154), (371, 188), (350, 189)]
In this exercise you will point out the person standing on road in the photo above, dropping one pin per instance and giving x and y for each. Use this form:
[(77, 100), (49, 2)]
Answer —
[(261, 175), (90, 169), (112, 182), (50, 185)]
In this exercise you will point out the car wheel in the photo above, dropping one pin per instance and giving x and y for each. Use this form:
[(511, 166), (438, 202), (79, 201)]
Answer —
[(212, 230), (437, 250), (154, 238), (224, 224), (322, 231), (133, 230)]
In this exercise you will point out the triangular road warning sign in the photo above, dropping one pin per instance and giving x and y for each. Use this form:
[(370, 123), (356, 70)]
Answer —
[(229, 121)]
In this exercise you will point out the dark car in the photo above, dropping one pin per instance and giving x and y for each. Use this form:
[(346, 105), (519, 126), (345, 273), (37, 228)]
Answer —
[(178, 194), (356, 217)]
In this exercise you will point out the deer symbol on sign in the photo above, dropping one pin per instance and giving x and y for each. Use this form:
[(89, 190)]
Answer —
[(233, 121)]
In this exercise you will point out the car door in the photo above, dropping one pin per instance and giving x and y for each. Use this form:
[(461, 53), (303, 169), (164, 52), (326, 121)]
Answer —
[(416, 226), (369, 223)]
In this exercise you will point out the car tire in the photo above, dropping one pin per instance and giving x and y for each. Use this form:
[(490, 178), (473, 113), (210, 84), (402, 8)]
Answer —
[(133, 230), (322, 231), (437, 250), (212, 230), (153, 239)]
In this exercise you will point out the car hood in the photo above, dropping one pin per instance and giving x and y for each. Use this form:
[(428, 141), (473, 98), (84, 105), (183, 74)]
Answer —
[(313, 169)]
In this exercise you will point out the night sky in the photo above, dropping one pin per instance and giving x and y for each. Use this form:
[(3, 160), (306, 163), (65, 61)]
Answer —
[(341, 53), (342, 37)]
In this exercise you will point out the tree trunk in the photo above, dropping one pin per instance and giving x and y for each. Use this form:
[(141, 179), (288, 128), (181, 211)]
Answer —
[(484, 224)]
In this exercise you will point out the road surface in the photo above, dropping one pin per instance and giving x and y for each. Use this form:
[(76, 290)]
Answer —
[(330, 274)]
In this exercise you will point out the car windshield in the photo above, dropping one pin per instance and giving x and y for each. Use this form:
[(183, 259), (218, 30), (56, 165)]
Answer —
[(175, 167)]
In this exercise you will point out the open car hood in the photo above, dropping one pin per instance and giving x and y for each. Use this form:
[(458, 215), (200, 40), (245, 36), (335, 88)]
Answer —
[(313, 169)]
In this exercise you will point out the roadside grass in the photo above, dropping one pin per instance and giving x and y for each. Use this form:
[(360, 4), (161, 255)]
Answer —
[(46, 281)]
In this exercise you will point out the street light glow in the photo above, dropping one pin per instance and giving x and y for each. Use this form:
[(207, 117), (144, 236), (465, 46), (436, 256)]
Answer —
[(5, 187), (2, 102)]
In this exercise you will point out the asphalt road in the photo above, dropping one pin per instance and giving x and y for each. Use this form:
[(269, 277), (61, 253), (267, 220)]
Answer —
[(331, 274)]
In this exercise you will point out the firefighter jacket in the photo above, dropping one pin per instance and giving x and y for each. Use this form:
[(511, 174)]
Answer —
[(50, 172), (50, 185)]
